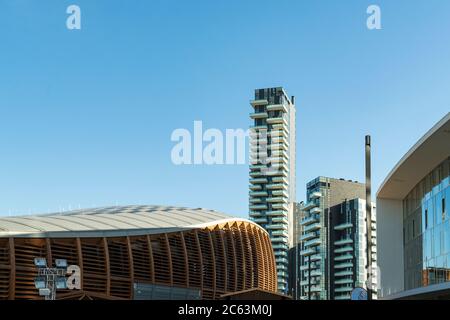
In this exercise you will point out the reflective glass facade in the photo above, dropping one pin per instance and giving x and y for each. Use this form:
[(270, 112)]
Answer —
[(426, 230)]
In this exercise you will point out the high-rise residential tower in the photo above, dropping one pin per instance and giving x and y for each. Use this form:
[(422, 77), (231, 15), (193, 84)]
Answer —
[(333, 240), (272, 172)]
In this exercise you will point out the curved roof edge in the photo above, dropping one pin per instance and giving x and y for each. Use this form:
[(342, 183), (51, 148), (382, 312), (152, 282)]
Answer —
[(424, 156), (114, 222), (122, 233)]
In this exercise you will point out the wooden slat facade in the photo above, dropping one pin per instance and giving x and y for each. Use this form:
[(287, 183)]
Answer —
[(219, 259)]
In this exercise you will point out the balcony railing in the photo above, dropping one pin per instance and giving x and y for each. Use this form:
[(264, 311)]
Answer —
[(315, 257), (312, 227), (308, 252), (258, 127), (309, 220), (258, 180), (306, 283), (343, 241), (281, 127), (343, 273), (310, 205), (277, 186), (280, 153), (344, 289), (308, 236), (280, 250), (277, 226), (343, 249), (313, 243), (276, 199), (278, 120), (258, 193), (280, 193), (343, 257), (305, 267), (280, 171), (343, 265), (276, 213), (315, 210), (258, 207), (278, 146), (281, 260), (277, 239), (280, 206), (315, 195), (278, 133), (261, 220), (344, 281), (259, 102), (314, 273), (342, 297), (280, 139), (259, 115), (280, 233), (280, 180), (277, 107), (343, 226), (280, 219)]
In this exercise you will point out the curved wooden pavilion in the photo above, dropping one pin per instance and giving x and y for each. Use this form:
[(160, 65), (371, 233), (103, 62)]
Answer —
[(118, 247)]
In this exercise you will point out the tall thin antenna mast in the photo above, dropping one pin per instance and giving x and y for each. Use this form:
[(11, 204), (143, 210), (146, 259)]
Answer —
[(369, 217)]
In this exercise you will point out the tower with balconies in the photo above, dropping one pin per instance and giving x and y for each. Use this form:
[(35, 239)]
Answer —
[(332, 239), (272, 171)]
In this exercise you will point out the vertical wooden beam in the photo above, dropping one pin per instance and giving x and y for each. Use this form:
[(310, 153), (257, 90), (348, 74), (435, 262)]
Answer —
[(233, 245), (244, 269), (152, 261), (268, 254), (131, 262), (275, 270), (200, 254), (266, 262), (271, 256), (186, 259), (169, 256), (108, 267), (12, 273), (225, 259), (255, 253), (80, 260), (48, 248), (213, 256), (248, 250), (263, 266)]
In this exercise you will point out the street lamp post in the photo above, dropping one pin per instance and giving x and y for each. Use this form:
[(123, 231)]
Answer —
[(50, 279)]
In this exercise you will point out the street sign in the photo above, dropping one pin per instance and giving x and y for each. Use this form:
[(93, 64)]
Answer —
[(359, 294)]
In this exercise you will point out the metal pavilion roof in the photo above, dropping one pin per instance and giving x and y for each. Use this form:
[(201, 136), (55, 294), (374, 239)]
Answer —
[(110, 221)]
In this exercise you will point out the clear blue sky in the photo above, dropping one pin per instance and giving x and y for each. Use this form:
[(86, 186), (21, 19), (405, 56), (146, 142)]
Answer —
[(86, 116)]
